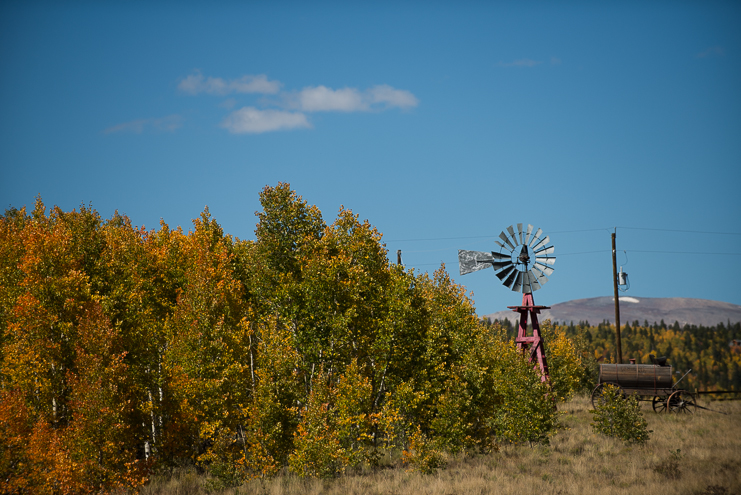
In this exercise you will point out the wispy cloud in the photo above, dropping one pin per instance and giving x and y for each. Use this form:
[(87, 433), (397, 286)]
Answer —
[(324, 99), (250, 120), (713, 51), (289, 108), (524, 62), (555, 61), (163, 124), (392, 97), (197, 83)]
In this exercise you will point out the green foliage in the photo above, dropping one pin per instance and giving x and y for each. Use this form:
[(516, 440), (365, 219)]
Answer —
[(124, 350), (620, 417), (422, 454), (223, 475), (565, 362), (318, 450), (509, 400)]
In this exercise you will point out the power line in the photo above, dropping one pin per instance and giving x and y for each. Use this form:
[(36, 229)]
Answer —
[(430, 250), (442, 238), (482, 236), (685, 231), (583, 252), (593, 252), (683, 252), (564, 232)]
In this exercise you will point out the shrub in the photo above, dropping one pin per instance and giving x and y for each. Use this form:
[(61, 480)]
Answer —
[(566, 365), (423, 455), (620, 417)]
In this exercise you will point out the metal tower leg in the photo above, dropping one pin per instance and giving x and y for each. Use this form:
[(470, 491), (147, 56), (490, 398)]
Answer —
[(534, 343)]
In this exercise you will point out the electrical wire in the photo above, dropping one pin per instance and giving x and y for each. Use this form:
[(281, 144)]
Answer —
[(481, 236), (685, 252), (570, 254), (564, 232), (685, 231), (592, 252)]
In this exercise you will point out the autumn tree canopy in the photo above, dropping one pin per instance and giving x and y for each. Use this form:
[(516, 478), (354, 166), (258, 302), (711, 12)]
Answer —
[(124, 348)]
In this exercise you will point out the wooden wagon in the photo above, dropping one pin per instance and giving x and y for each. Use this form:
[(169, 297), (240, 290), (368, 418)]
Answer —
[(646, 382)]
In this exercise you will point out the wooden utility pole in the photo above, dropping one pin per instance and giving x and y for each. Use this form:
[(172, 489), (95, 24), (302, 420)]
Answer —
[(617, 303), (398, 256)]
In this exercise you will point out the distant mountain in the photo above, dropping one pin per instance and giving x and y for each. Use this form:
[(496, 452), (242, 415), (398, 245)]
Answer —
[(652, 309)]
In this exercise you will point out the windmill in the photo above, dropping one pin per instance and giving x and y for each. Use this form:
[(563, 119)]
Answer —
[(523, 263)]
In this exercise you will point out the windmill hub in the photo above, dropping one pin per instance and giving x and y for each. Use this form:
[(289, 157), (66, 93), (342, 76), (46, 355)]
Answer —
[(524, 257)]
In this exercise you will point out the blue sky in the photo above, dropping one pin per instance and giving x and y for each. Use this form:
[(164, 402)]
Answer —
[(440, 123)]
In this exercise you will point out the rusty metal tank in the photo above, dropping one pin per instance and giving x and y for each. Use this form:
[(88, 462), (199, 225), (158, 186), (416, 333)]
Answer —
[(637, 376)]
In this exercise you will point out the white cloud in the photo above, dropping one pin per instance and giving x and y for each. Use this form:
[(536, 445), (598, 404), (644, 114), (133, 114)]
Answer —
[(555, 61), (250, 120), (324, 99), (197, 83), (167, 124), (524, 62), (392, 97), (286, 110)]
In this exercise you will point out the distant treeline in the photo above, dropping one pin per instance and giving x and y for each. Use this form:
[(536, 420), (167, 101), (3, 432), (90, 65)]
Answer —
[(709, 351)]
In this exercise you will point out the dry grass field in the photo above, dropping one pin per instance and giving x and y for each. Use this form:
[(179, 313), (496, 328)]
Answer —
[(687, 454)]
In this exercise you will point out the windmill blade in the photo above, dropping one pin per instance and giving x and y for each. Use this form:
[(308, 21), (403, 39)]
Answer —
[(499, 244), (537, 235), (538, 272), (504, 238), (541, 243), (472, 261), (547, 259), (518, 282), (547, 270), (542, 279), (503, 274), (528, 233), (512, 234), (527, 287), (534, 281), (510, 280), (498, 265), (519, 232), (545, 250)]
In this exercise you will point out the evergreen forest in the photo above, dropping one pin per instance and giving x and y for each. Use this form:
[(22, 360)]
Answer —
[(709, 352)]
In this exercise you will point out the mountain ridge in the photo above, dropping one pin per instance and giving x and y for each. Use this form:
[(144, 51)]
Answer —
[(686, 311)]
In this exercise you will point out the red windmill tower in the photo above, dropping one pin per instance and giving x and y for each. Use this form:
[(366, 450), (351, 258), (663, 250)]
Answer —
[(523, 263)]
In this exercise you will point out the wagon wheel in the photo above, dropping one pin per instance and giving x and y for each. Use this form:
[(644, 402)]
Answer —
[(681, 401), (659, 404), (599, 390)]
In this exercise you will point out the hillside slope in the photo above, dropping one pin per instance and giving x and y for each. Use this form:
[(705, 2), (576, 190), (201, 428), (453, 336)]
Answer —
[(651, 309)]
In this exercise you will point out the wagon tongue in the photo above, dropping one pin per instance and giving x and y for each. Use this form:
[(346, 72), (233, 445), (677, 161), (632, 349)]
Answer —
[(708, 409)]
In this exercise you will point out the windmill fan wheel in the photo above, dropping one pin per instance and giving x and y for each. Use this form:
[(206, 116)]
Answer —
[(523, 263)]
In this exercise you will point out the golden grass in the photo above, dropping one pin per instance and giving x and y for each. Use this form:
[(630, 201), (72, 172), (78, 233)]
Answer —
[(687, 454)]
